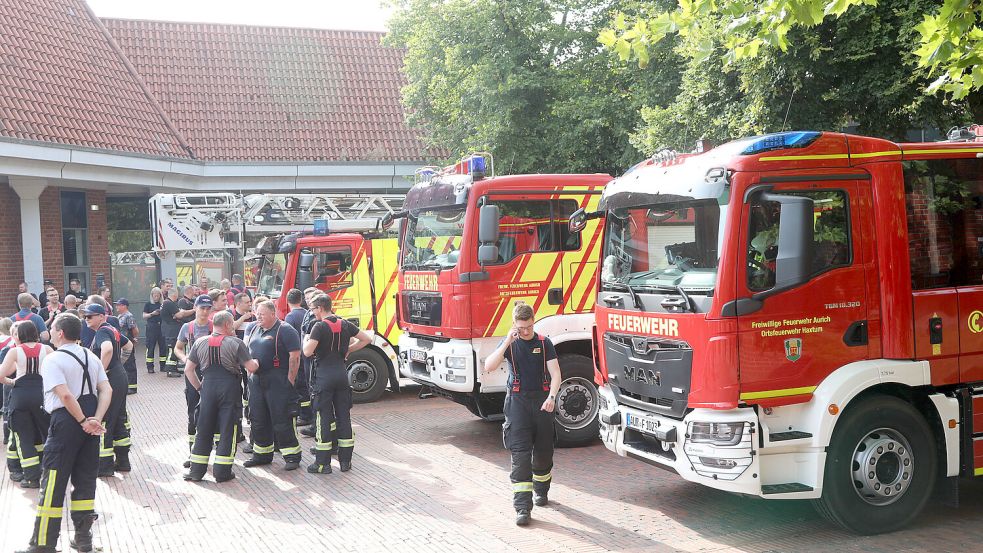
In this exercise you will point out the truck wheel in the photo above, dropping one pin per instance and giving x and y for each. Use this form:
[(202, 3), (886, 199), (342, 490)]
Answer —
[(576, 402), (880, 467), (368, 374)]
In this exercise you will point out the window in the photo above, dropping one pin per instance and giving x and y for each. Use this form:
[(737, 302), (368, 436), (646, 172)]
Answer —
[(529, 226), (332, 268), (831, 236), (944, 204), (75, 237)]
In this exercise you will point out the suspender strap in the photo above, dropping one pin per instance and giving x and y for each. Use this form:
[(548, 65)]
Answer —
[(85, 372), (215, 349)]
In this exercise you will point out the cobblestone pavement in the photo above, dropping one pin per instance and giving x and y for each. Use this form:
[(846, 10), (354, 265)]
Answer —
[(428, 476)]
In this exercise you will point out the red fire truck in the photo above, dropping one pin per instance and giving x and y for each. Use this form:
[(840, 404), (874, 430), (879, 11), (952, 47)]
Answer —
[(799, 316), (471, 246)]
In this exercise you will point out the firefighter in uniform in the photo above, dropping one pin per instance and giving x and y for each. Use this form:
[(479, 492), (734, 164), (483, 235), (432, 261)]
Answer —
[(295, 318), (110, 345), (273, 401), (222, 356), (190, 332), (77, 394), (533, 382), (13, 461), (28, 421), (329, 344)]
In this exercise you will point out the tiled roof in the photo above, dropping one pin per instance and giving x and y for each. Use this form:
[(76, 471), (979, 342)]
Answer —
[(245, 93), (63, 80)]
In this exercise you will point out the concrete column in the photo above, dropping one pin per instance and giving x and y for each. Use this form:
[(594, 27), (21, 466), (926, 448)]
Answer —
[(168, 265), (29, 190)]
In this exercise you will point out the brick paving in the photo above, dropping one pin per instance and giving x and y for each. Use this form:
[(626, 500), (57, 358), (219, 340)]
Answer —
[(428, 476)]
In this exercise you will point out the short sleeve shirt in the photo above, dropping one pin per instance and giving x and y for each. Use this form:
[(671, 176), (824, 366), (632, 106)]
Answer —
[(150, 307), (233, 354), (59, 368), (104, 334), (168, 324), (263, 349), (528, 358), (183, 304), (296, 318), (199, 331), (332, 346), (25, 315), (127, 323)]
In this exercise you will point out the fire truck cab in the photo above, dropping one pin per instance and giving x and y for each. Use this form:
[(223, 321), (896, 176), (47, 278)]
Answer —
[(473, 244), (798, 316)]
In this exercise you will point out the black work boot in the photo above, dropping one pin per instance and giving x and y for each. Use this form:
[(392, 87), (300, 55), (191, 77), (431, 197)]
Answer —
[(319, 469), (540, 500), (82, 541), (522, 517), (123, 462), (256, 462)]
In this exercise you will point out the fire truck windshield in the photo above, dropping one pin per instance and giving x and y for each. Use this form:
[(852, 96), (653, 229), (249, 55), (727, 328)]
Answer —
[(664, 247), (432, 239), (272, 269)]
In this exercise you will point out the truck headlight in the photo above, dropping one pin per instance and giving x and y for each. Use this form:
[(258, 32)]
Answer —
[(457, 362), (717, 433)]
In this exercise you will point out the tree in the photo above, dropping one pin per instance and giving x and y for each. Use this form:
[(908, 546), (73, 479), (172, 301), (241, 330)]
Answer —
[(949, 45), (856, 71), (526, 80)]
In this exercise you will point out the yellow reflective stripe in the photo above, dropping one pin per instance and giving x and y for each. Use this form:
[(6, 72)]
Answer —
[(346, 443), (200, 459), (946, 151), (290, 450), (221, 460), (30, 462), (323, 446), (334, 426), (11, 454), (105, 452), (83, 505), (544, 478), (126, 423), (978, 471), (797, 158), (123, 442), (778, 393), (519, 487), (305, 404), (235, 438), (49, 493), (52, 512), (133, 386), (262, 449), (876, 154), (191, 438), (39, 447)]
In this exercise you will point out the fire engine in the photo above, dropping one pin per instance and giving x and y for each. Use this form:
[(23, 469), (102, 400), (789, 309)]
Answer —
[(333, 242), (798, 316), (473, 244)]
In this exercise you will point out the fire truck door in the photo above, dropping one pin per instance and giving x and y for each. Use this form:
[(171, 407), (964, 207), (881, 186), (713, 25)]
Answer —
[(580, 253), (800, 336), (341, 270)]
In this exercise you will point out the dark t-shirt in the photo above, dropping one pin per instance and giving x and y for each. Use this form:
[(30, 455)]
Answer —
[(23, 315), (150, 308), (296, 318), (104, 334), (46, 311), (530, 357), (168, 324), (241, 333), (184, 303), (261, 345), (233, 354), (332, 346)]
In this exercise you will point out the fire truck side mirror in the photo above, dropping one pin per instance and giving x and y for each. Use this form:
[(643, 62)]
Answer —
[(488, 224), (578, 221), (305, 276), (793, 265)]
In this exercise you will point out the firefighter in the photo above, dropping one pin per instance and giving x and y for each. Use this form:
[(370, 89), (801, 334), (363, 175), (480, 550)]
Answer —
[(13, 461), (110, 345), (77, 394), (273, 401), (190, 332), (26, 302), (329, 344), (533, 382), (222, 356), (295, 318), (170, 326), (155, 336), (28, 421), (128, 326), (305, 360)]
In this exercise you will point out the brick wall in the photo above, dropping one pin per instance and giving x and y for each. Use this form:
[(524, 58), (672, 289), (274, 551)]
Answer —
[(51, 240), (12, 269), (98, 237)]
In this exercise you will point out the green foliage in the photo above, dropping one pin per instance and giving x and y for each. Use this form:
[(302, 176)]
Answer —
[(527, 80), (855, 71)]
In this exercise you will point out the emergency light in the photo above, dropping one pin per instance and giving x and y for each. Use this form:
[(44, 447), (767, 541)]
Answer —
[(780, 141), (320, 227)]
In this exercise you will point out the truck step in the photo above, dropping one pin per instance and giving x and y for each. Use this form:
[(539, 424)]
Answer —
[(791, 487), (426, 392), (790, 435)]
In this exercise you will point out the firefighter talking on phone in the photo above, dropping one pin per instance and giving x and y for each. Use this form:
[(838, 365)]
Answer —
[(533, 382)]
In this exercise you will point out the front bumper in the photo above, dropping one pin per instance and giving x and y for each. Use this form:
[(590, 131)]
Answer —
[(430, 363), (665, 442)]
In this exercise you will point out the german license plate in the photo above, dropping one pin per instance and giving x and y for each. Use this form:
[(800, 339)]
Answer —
[(642, 424), (418, 355)]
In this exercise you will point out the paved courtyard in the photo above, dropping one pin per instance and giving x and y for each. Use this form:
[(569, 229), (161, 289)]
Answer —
[(428, 476)]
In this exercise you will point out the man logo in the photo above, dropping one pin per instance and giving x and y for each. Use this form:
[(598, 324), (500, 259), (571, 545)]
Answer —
[(640, 345), (793, 349)]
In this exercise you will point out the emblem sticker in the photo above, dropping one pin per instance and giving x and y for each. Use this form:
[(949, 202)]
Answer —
[(793, 349)]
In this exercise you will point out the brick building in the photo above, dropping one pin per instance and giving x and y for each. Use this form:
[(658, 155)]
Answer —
[(92, 109)]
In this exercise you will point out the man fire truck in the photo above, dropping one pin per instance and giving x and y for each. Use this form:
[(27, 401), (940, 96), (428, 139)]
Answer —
[(455, 298), (333, 242), (798, 316)]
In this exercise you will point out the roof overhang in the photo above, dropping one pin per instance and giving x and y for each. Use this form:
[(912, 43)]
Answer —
[(125, 171)]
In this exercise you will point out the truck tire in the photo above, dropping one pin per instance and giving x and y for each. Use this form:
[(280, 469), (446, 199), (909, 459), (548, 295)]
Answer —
[(576, 402), (368, 373), (881, 467)]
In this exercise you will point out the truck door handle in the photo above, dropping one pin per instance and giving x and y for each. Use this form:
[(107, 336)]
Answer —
[(554, 296), (856, 334)]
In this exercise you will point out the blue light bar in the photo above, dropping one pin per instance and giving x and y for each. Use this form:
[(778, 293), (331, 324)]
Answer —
[(320, 227), (476, 164), (781, 141), (426, 175)]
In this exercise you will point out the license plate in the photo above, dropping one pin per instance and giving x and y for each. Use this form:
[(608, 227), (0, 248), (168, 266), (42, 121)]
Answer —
[(642, 424), (418, 355)]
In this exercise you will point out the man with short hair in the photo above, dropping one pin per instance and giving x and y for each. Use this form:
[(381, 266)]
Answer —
[(111, 347), (170, 327), (534, 380), (26, 302), (128, 326), (295, 318), (218, 358), (238, 285), (22, 289), (77, 394), (75, 288), (273, 401), (71, 302), (53, 307), (200, 326), (242, 313)]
